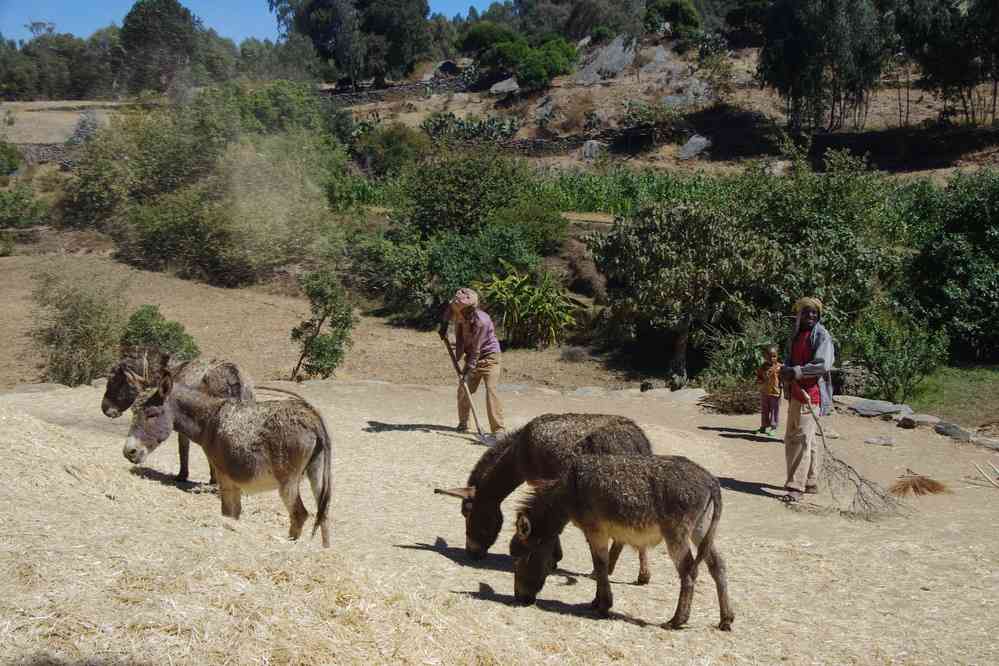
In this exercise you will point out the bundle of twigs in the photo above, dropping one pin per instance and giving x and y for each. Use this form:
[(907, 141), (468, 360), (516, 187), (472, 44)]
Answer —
[(986, 476), (912, 483), (868, 500)]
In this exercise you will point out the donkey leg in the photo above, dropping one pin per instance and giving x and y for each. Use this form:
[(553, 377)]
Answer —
[(212, 480), (184, 449), (315, 472), (615, 552), (604, 599), (232, 504), (679, 551), (716, 566), (644, 575), (296, 509)]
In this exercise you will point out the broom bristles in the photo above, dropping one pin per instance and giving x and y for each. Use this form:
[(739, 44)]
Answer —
[(917, 484)]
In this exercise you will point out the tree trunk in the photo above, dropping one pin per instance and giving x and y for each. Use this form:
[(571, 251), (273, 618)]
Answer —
[(678, 356)]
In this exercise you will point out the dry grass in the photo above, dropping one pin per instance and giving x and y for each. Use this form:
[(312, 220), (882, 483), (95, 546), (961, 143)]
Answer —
[(50, 122), (100, 564)]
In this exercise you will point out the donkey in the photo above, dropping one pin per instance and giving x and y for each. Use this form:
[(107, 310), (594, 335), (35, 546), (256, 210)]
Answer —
[(252, 446), (539, 451), (222, 379), (638, 500)]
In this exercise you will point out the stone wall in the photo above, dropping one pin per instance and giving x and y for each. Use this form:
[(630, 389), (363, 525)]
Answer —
[(396, 93)]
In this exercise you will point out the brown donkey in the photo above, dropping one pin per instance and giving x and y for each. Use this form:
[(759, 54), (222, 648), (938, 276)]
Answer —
[(222, 379), (541, 450), (252, 446), (638, 500)]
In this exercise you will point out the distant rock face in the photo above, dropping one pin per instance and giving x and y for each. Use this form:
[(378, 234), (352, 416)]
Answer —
[(696, 145), (607, 62), (505, 87)]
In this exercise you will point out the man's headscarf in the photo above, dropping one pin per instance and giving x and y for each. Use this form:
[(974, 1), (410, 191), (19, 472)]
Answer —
[(808, 302), (464, 298)]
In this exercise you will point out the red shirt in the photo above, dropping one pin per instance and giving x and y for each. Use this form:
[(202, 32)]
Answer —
[(801, 354)]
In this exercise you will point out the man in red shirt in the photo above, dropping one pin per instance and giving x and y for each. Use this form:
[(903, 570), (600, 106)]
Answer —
[(809, 361), (475, 340)]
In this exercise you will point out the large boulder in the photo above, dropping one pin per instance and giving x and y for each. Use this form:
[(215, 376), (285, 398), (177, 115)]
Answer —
[(607, 62), (593, 149), (695, 145), (874, 408), (505, 87), (910, 421)]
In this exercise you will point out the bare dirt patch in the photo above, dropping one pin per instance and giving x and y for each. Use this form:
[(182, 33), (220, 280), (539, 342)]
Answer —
[(100, 561), (51, 122)]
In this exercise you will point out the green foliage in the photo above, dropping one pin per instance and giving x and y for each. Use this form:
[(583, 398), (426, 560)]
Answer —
[(532, 311), (897, 352), (77, 324), (734, 356), (680, 14), (954, 280), (533, 67), (6, 243), (543, 226), (486, 34), (158, 37), (325, 336), (10, 159), (148, 327), (458, 191), (19, 208), (445, 126), (601, 34), (747, 20), (387, 150)]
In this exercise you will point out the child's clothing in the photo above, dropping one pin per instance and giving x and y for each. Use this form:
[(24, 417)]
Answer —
[(768, 379)]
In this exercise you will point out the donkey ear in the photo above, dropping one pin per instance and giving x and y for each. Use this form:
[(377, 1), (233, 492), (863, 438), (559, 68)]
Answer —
[(460, 493), (134, 380), (523, 527), (166, 384)]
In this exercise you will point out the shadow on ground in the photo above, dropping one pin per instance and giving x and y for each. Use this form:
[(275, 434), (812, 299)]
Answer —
[(491, 562), (487, 593), (750, 487), (193, 487), (742, 433)]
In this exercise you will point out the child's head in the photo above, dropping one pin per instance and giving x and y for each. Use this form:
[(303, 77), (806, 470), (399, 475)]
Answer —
[(770, 353)]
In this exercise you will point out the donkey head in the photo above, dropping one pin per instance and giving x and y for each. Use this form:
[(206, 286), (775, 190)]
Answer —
[(152, 415), (534, 557), (483, 520), (120, 394)]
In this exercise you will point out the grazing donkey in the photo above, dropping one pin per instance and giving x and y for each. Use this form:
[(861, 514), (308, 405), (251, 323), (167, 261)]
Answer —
[(632, 499), (539, 451), (252, 446), (222, 379)]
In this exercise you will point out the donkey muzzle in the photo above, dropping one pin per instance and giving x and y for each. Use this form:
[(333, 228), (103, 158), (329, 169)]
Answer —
[(134, 450)]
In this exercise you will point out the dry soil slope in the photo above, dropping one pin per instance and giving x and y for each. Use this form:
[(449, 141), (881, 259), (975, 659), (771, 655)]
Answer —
[(100, 561)]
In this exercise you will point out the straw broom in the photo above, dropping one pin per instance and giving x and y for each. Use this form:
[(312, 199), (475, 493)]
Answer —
[(912, 483)]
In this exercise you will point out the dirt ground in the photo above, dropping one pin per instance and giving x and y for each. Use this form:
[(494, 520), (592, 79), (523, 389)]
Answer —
[(50, 122), (252, 327), (103, 562)]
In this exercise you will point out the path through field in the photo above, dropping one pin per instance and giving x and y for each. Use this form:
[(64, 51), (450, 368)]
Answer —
[(104, 562)]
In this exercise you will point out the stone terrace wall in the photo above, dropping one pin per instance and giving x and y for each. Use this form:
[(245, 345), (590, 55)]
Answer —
[(397, 93)]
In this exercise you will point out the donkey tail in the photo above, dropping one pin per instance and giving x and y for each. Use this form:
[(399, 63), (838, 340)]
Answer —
[(707, 543), (323, 503)]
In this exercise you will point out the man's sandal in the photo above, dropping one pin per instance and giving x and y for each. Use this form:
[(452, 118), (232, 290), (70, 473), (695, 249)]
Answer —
[(791, 496)]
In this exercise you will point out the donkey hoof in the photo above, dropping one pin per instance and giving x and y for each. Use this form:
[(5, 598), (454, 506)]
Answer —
[(725, 625), (602, 609), (674, 624), (643, 578)]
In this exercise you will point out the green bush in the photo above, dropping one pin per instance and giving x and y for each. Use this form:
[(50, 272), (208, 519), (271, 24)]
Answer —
[(148, 328), (77, 324), (680, 14), (6, 244), (485, 34), (325, 336), (19, 208), (387, 150), (540, 222), (10, 159), (601, 34), (458, 191), (734, 356), (532, 311), (897, 352), (533, 67), (952, 282)]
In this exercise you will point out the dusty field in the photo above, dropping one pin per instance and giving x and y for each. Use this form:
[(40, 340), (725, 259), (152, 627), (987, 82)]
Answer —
[(49, 122), (104, 563), (252, 326)]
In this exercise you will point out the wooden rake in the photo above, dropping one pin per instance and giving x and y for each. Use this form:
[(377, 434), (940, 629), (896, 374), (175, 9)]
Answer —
[(483, 438)]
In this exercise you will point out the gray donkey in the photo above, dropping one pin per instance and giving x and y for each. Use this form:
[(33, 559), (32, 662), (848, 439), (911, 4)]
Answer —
[(222, 379), (640, 501), (252, 446), (541, 450)]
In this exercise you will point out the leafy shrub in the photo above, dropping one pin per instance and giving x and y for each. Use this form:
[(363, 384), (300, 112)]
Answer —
[(387, 150), (601, 34), (485, 34), (325, 336), (458, 191), (445, 126), (953, 279), (148, 327), (10, 159), (680, 14), (897, 352), (533, 67), (533, 311), (19, 208), (541, 224), (734, 356), (78, 323), (281, 106)]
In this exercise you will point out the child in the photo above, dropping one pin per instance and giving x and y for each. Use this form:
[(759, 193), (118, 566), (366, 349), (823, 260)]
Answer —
[(768, 380)]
